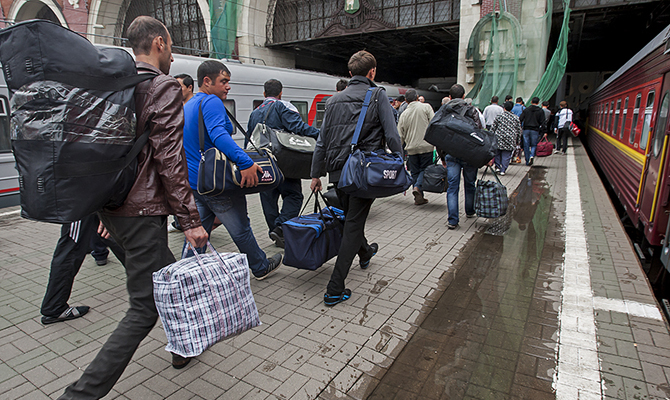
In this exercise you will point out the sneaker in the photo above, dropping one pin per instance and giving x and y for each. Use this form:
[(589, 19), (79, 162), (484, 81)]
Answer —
[(101, 262), (173, 228), (501, 173), (179, 362), (452, 226), (277, 236), (471, 215), (69, 314), (330, 299), (530, 162), (365, 261), (556, 151), (273, 264)]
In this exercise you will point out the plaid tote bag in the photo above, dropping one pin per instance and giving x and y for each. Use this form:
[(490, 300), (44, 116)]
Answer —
[(490, 197), (204, 299)]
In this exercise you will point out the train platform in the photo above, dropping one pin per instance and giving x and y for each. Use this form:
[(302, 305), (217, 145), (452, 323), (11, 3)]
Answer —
[(547, 302)]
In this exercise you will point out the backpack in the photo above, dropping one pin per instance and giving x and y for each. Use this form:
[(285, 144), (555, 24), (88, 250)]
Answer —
[(455, 134), (73, 121)]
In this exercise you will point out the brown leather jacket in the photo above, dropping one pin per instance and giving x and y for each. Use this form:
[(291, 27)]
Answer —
[(161, 186)]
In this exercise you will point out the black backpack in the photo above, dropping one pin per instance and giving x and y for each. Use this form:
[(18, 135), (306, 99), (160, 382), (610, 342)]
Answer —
[(73, 123), (455, 134)]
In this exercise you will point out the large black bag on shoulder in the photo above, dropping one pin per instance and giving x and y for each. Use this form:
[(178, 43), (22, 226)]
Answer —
[(73, 120), (456, 135)]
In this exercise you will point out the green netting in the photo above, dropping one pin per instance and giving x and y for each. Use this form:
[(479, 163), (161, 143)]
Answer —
[(556, 69), (224, 27), (508, 52)]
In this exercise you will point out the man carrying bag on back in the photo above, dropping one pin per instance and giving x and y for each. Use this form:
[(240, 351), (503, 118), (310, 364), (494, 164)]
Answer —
[(339, 124)]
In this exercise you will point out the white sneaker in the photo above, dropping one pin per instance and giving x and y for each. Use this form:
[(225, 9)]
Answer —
[(501, 174)]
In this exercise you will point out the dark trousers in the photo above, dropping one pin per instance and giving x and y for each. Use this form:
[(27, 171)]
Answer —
[(144, 240), (76, 241), (291, 193), (417, 164), (356, 212), (562, 139)]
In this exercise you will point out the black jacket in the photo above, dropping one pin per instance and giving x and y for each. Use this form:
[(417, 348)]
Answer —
[(532, 118), (339, 123)]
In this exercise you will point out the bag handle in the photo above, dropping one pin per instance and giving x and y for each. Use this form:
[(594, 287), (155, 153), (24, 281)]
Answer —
[(361, 118), (494, 174)]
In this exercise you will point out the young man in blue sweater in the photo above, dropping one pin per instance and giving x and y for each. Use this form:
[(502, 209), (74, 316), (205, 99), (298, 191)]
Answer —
[(214, 84)]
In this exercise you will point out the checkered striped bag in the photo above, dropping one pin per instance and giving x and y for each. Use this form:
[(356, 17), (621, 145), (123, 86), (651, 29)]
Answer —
[(490, 197), (204, 299)]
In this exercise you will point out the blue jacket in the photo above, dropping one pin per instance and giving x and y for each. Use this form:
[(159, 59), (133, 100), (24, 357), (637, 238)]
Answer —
[(518, 109), (218, 134), (279, 117)]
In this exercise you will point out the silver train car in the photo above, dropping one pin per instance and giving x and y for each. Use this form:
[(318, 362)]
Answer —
[(306, 90)]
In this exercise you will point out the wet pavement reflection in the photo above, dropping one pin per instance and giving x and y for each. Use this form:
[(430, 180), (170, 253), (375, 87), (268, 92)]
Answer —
[(492, 333)]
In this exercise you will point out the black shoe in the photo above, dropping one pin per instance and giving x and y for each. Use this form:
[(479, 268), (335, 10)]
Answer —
[(273, 264), (179, 362), (277, 235), (70, 313), (365, 261), (101, 262), (330, 300), (452, 226)]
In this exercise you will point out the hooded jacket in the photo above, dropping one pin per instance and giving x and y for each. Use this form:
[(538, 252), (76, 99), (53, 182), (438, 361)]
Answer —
[(339, 123)]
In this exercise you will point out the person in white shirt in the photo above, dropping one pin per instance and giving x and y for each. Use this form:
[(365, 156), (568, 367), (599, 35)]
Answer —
[(562, 129), (491, 112)]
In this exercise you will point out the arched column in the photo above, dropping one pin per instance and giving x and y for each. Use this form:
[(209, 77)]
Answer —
[(27, 9), (251, 35)]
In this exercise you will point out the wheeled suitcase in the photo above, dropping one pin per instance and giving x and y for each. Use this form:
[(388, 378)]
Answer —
[(456, 135)]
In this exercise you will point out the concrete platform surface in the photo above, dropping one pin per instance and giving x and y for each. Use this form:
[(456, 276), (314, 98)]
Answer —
[(546, 302)]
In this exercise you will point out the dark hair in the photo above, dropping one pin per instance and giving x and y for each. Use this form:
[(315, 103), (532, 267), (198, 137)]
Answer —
[(457, 91), (411, 95), (535, 100), (519, 100), (400, 98), (272, 88), (494, 99), (341, 85), (142, 32), (361, 63), (508, 98), (186, 78), (508, 105), (212, 69), (545, 103)]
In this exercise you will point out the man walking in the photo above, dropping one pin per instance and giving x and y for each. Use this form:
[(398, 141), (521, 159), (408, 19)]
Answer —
[(276, 115), (532, 120), (518, 107), (332, 150), (214, 84), (139, 226), (456, 165), (564, 116), (492, 111), (186, 82), (412, 128)]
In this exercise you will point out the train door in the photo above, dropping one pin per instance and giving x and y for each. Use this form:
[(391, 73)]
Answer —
[(656, 155)]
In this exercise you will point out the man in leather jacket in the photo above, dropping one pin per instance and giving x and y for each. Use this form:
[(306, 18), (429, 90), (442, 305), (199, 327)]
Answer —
[(332, 151), (139, 226)]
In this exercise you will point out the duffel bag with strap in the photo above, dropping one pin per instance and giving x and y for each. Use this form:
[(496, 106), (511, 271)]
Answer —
[(293, 152), (544, 148), (435, 179), (204, 299), (73, 121), (455, 134), (311, 240), (490, 197), (219, 176)]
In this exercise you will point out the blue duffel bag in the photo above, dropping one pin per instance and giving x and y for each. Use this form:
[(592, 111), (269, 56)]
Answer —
[(311, 240), (372, 174)]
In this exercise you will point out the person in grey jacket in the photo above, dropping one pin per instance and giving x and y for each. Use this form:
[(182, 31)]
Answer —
[(332, 151)]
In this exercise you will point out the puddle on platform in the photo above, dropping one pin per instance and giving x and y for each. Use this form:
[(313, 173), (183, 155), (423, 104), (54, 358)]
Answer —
[(492, 333)]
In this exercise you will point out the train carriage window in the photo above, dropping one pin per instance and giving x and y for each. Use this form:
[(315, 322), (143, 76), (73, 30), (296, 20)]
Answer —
[(302, 109), (623, 119), (661, 121), (320, 111), (607, 112), (648, 109), (5, 142), (617, 118), (230, 106), (610, 128), (636, 116), (256, 103)]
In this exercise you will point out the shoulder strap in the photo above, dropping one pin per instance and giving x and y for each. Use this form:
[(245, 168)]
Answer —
[(201, 127), (270, 105), (361, 118)]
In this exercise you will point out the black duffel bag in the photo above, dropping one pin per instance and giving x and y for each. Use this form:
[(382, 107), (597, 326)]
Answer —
[(73, 121), (293, 152), (456, 135), (435, 179)]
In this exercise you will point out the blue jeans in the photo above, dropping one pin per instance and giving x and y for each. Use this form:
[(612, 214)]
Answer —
[(232, 212), (291, 194), (530, 139), (454, 167), (417, 164), (502, 159)]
